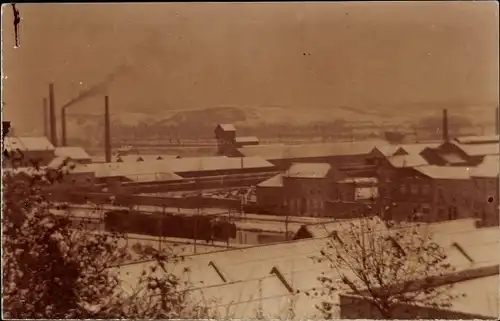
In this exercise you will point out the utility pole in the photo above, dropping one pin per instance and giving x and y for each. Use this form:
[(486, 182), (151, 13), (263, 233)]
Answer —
[(160, 239), (286, 226), (229, 220), (198, 213)]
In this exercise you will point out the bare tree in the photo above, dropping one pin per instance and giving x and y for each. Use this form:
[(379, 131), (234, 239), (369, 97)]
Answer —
[(53, 270), (386, 266)]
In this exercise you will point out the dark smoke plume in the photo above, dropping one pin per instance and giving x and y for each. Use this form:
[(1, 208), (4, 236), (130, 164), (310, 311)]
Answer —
[(99, 88), (147, 50)]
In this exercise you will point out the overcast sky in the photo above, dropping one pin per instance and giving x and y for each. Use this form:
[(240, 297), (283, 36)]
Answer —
[(302, 55)]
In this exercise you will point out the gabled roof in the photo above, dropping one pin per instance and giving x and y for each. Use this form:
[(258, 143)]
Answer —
[(445, 172), (414, 149), (411, 160), (308, 170), (59, 162), (385, 150), (245, 279), (452, 158), (73, 152), (227, 127), (275, 181), (27, 143)]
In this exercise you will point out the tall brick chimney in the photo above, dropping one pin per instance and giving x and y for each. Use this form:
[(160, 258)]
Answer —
[(52, 112), (46, 125), (107, 131), (446, 136)]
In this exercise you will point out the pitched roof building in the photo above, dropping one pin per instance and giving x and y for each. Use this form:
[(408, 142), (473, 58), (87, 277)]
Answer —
[(276, 278)]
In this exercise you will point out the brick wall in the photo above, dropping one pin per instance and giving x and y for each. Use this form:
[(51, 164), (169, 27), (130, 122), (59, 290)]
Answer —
[(269, 197)]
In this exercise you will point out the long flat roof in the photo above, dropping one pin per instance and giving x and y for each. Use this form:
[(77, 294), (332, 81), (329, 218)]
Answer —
[(478, 139), (274, 152), (177, 165)]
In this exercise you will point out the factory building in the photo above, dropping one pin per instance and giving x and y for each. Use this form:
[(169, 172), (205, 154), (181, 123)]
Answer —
[(306, 188), (227, 141), (152, 176), (26, 151), (283, 156), (429, 193), (76, 154), (455, 154), (270, 196), (414, 189), (485, 181)]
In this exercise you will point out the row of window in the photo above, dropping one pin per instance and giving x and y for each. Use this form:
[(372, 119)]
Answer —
[(303, 205), (451, 214), (415, 189)]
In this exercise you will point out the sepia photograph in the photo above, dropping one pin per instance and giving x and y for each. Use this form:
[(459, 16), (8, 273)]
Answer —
[(251, 160)]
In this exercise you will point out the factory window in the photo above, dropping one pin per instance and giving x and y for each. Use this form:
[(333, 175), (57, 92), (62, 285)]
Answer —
[(402, 189), (441, 195), (426, 209), (452, 213), (426, 189), (414, 189), (266, 239), (441, 212)]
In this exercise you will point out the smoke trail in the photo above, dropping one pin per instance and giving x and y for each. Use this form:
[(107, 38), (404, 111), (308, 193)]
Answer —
[(100, 87), (148, 49)]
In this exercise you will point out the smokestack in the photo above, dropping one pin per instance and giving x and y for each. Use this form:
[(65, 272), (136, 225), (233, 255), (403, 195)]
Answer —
[(497, 121), (63, 126), (445, 126), (52, 111), (46, 126), (107, 131)]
